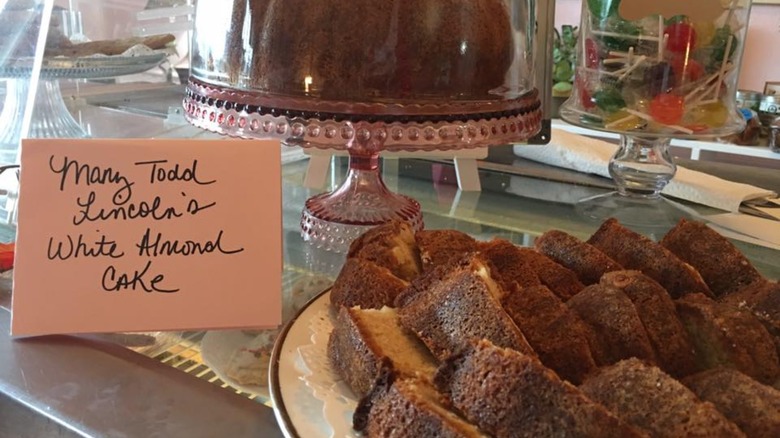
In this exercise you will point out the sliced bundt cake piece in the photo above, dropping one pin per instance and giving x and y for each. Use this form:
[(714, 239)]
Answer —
[(582, 258), (439, 247), (462, 306), (555, 333), (409, 408), (754, 407), (724, 268), (527, 267), (655, 308), (616, 330), (763, 300), (365, 284), (728, 336), (390, 245), (364, 341), (647, 398), (510, 394), (634, 251)]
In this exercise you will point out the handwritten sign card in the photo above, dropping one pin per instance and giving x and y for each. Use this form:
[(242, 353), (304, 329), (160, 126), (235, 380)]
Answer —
[(140, 235)]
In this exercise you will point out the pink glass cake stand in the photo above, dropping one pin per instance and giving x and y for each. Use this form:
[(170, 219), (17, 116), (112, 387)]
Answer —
[(364, 130)]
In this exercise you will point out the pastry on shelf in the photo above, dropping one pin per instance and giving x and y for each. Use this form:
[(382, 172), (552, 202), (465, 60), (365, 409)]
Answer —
[(582, 258), (439, 247), (392, 246), (365, 284)]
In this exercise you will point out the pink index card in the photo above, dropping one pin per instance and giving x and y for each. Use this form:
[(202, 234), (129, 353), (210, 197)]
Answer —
[(142, 235)]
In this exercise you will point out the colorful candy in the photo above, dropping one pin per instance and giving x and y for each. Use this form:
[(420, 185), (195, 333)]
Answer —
[(682, 37), (667, 108), (609, 100)]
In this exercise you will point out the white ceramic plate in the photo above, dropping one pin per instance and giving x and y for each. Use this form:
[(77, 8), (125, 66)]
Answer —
[(309, 399), (218, 347)]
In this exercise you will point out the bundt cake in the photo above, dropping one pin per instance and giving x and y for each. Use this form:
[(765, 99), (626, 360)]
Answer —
[(463, 306), (555, 333), (527, 267), (728, 336), (364, 341), (753, 407), (580, 257), (647, 398), (616, 330), (439, 247), (509, 394), (656, 310), (390, 245), (722, 266), (460, 49), (763, 300), (634, 251), (365, 284), (409, 408)]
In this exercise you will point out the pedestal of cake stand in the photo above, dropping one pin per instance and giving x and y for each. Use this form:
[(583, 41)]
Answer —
[(332, 220), (641, 168), (50, 117)]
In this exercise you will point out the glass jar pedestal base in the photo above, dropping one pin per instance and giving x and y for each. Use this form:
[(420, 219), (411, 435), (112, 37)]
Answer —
[(331, 221), (648, 216)]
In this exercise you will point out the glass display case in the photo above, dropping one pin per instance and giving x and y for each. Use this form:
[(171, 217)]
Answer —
[(179, 384)]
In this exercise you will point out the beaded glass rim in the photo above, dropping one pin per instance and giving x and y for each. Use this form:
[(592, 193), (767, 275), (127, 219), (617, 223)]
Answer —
[(333, 125)]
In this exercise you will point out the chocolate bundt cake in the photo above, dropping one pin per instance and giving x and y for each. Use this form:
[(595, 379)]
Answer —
[(647, 398), (753, 407), (635, 251), (655, 308), (510, 394), (728, 336), (462, 306), (364, 342), (763, 300), (555, 333), (388, 49), (580, 257), (409, 408), (722, 266), (365, 284)]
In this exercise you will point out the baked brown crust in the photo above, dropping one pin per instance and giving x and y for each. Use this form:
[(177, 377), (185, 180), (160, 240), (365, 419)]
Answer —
[(655, 308), (390, 245), (440, 247), (763, 300), (728, 336), (582, 258), (555, 333), (616, 328), (527, 267), (634, 251), (110, 47), (359, 356), (647, 398), (437, 314), (509, 394), (754, 407), (722, 266), (365, 284)]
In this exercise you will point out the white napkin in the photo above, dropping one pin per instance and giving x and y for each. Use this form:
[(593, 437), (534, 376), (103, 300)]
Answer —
[(590, 155)]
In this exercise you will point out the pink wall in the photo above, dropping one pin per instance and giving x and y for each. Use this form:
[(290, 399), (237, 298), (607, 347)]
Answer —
[(761, 60)]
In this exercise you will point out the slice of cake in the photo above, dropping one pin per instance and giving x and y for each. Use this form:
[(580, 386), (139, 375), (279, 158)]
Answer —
[(728, 336), (401, 408), (616, 328), (763, 300), (647, 398), (724, 268), (555, 333), (582, 258), (634, 251), (364, 341), (460, 307), (390, 245), (510, 394), (527, 267), (655, 308), (365, 284), (754, 407), (439, 247)]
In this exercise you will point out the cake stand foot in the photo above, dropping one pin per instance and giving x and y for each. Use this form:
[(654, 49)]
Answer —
[(333, 220), (641, 168)]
